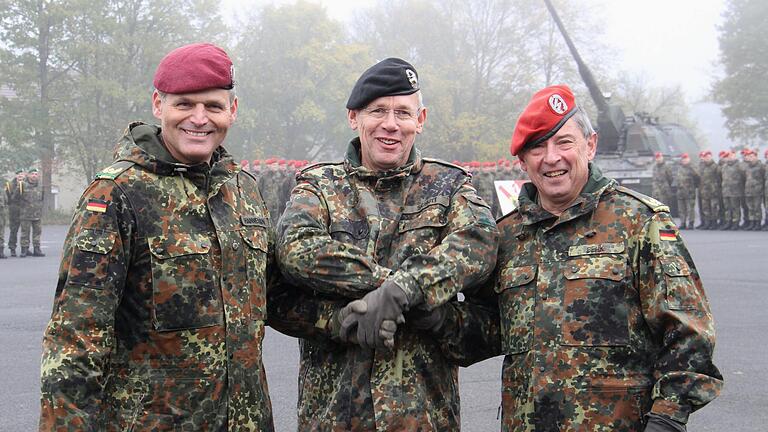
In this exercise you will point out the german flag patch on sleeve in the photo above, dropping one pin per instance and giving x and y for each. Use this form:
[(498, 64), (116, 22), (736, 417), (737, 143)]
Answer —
[(97, 206), (666, 234)]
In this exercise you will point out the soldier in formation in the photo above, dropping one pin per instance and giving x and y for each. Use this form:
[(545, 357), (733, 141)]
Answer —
[(733, 179), (754, 183), (30, 214), (662, 179), (687, 180), (3, 217), (709, 191), (13, 191), (765, 192)]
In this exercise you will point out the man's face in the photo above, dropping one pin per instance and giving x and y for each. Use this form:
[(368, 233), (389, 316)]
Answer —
[(685, 161), (194, 124), (21, 176), (659, 158), (387, 128), (33, 177), (559, 166), (751, 157), (707, 158)]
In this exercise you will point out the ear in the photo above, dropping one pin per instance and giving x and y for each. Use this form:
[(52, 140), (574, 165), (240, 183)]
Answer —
[(421, 120), (592, 146), (157, 105), (233, 109), (352, 119)]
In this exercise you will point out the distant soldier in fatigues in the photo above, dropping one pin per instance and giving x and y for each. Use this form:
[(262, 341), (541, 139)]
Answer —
[(721, 156), (269, 186), (13, 191), (662, 180), (709, 190), (733, 191), (765, 192), (754, 179), (687, 180), (31, 213), (3, 216)]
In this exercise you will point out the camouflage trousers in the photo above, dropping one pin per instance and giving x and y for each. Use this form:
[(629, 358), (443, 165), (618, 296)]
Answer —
[(13, 224), (29, 226), (732, 209), (2, 231), (685, 209), (709, 209), (754, 208)]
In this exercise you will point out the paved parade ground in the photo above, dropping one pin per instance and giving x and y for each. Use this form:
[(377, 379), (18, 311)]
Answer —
[(731, 264)]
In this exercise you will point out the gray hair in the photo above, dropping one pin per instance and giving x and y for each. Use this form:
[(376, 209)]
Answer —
[(582, 120), (231, 91)]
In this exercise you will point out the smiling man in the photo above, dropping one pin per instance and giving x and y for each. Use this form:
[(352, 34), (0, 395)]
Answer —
[(159, 310), (403, 233), (600, 311)]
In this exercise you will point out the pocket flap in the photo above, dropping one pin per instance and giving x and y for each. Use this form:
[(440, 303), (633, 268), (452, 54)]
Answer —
[(357, 229), (96, 241), (612, 268), (675, 266), (256, 239), (163, 247), (432, 216), (516, 276)]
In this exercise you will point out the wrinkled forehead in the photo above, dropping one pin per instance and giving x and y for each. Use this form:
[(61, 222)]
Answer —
[(410, 101)]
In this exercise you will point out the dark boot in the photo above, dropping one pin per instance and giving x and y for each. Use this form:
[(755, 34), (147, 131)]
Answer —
[(38, 253), (13, 252), (726, 226), (24, 253), (701, 226), (765, 225), (756, 225), (2, 255)]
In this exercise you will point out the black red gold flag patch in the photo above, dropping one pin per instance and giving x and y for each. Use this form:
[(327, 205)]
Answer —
[(96, 206), (667, 235)]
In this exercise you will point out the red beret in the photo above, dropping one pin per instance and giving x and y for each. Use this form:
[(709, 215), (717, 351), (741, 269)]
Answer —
[(766, 153), (658, 154), (270, 161), (545, 114), (281, 162), (722, 154), (684, 156), (705, 153), (193, 68), (244, 162), (474, 164)]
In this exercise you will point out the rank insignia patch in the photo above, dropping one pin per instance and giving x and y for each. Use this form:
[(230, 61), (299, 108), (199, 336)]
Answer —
[(96, 206), (667, 235)]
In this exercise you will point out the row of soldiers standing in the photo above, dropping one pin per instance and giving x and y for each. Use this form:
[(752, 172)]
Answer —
[(22, 204), (729, 190), (277, 177)]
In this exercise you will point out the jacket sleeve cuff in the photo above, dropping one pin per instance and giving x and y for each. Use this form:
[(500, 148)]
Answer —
[(408, 284), (673, 410)]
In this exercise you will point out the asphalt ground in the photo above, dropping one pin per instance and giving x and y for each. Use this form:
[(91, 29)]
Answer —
[(732, 266)]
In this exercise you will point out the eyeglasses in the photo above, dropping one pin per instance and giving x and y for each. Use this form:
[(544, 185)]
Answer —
[(380, 113)]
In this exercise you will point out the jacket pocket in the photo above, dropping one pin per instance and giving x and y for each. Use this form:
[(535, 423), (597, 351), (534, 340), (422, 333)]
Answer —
[(185, 291), (91, 256), (421, 230), (681, 291), (257, 243), (517, 304), (595, 304)]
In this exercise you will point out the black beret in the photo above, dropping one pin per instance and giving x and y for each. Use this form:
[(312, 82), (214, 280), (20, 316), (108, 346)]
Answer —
[(389, 77)]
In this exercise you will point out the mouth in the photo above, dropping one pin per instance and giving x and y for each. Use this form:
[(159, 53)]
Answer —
[(553, 174), (387, 141), (198, 134)]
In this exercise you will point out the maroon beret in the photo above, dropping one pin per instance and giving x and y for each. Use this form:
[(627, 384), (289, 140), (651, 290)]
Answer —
[(195, 67), (545, 114)]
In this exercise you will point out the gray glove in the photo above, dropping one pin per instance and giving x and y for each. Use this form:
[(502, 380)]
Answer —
[(355, 307), (657, 423), (387, 302)]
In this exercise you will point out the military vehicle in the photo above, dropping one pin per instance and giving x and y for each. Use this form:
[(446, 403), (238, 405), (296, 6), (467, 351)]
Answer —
[(628, 143)]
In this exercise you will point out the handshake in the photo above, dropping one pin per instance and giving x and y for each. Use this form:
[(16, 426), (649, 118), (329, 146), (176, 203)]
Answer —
[(372, 321)]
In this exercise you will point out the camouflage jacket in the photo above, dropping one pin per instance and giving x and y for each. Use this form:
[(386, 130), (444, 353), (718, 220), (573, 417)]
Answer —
[(709, 175), (602, 315), (687, 180), (754, 178), (662, 180), (4, 203), (733, 178), (13, 190), (345, 231), (31, 201), (159, 311)]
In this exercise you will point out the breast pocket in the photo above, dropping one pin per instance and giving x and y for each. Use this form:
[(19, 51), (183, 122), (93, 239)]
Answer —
[(350, 231), (517, 304), (185, 292), (91, 258), (595, 302), (256, 270), (421, 230)]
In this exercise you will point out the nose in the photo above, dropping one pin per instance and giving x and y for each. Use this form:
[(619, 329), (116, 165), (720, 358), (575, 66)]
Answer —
[(199, 116), (552, 155), (390, 122)]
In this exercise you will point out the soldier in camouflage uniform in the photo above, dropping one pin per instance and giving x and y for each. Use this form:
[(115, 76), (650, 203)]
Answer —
[(754, 179), (270, 187), (595, 301), (31, 213), (709, 190), (765, 192), (687, 180), (733, 191), (3, 216), (483, 179), (13, 190), (402, 232), (159, 311), (662, 179)]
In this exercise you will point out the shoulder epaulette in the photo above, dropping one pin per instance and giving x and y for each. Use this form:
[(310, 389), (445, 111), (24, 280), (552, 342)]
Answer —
[(654, 204), (111, 172), (502, 217), (442, 162), (310, 167)]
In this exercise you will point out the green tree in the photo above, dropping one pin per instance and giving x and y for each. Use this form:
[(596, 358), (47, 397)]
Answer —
[(744, 55)]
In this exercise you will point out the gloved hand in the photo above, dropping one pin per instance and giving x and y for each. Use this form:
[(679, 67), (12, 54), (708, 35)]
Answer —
[(657, 423), (387, 302), (355, 307), (428, 321)]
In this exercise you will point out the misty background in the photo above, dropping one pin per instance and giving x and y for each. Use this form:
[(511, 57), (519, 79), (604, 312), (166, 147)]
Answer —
[(74, 73)]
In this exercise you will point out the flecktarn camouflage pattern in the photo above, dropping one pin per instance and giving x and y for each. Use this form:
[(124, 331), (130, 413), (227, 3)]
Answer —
[(346, 230), (160, 306), (603, 317)]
